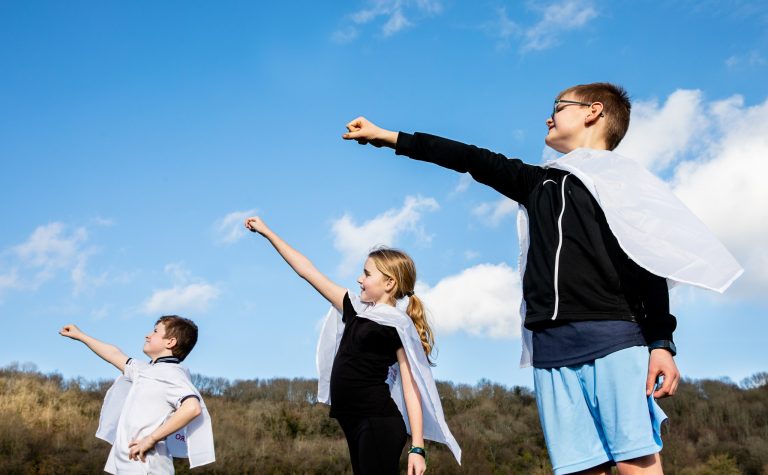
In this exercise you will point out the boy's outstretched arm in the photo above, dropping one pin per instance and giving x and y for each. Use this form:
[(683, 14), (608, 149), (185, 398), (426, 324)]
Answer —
[(188, 410), (332, 292), (366, 132), (109, 353)]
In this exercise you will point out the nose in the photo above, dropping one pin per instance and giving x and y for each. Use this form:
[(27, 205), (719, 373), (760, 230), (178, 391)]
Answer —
[(550, 121)]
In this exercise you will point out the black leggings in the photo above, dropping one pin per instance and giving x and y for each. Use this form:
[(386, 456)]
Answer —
[(375, 443)]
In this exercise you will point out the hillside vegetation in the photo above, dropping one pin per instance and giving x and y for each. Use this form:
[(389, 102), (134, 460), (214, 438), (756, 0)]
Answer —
[(47, 425)]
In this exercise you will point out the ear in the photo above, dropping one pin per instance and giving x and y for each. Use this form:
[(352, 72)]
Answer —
[(389, 285), (170, 343), (595, 112)]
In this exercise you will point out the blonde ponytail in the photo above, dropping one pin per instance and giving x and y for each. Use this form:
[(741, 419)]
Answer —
[(419, 316)]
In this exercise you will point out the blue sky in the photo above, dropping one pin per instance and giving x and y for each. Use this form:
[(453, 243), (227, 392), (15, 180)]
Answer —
[(134, 136)]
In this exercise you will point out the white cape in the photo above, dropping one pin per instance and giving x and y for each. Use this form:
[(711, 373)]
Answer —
[(435, 427), (194, 441), (653, 227)]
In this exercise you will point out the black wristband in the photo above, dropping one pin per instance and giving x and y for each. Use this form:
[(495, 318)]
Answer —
[(418, 450), (668, 345)]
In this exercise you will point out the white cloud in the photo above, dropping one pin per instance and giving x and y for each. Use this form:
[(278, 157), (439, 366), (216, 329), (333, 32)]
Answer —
[(660, 135), (725, 186), (50, 249), (354, 242), (556, 19), (230, 229), (492, 213), (395, 14), (483, 300), (184, 297), (55, 249)]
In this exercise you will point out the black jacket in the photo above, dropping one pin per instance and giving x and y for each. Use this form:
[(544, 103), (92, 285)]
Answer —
[(575, 268)]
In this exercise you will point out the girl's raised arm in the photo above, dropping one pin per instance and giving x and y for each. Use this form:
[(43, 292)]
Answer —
[(332, 292)]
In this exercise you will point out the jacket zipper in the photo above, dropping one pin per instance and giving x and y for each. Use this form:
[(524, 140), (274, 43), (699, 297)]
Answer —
[(559, 247)]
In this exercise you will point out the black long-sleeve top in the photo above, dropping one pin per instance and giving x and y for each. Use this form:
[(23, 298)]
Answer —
[(569, 237)]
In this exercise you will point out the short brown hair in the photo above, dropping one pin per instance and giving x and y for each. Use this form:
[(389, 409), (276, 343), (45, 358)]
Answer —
[(185, 332), (616, 107)]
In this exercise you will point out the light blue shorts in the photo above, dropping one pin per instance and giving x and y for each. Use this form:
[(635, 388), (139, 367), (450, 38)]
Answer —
[(598, 412)]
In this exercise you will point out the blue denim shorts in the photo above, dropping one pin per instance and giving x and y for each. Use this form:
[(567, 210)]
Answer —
[(598, 412)]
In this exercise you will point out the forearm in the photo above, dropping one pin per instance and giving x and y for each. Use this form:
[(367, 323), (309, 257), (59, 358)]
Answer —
[(415, 416), (412, 398), (298, 261), (189, 410), (109, 353), (305, 269)]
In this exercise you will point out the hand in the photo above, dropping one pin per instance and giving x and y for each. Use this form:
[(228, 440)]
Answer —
[(364, 131), (661, 363), (416, 464), (71, 331), (138, 449), (255, 224)]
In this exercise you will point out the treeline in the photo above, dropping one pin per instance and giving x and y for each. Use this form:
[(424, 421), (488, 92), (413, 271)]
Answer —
[(274, 426)]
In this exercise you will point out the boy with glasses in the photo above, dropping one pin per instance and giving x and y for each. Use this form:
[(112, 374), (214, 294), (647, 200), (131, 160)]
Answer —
[(599, 238)]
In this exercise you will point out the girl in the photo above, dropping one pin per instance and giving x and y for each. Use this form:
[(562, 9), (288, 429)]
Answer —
[(373, 360)]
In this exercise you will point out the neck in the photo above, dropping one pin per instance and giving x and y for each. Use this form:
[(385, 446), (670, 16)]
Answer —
[(160, 355)]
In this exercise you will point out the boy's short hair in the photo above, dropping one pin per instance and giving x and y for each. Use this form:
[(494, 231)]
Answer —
[(616, 107), (185, 332)]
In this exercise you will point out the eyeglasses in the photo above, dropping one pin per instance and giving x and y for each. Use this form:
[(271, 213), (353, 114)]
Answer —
[(565, 101)]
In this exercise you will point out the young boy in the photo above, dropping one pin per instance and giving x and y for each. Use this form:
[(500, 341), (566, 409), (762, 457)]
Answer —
[(598, 237), (152, 401)]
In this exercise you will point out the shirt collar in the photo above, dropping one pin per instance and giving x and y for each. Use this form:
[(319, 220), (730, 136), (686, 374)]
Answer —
[(166, 359)]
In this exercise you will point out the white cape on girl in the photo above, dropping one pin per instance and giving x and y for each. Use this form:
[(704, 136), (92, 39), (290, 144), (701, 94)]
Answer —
[(435, 427)]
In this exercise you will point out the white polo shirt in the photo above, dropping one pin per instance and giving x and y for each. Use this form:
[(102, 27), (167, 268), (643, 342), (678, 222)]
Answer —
[(156, 391)]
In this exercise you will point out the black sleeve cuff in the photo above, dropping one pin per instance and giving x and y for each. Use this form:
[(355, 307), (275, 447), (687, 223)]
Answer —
[(187, 397), (668, 345), (404, 143)]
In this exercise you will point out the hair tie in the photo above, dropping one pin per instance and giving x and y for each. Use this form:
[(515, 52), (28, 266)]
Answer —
[(409, 293)]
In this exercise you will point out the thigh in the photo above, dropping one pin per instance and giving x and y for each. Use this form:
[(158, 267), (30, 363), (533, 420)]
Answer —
[(571, 431), (630, 420), (375, 444)]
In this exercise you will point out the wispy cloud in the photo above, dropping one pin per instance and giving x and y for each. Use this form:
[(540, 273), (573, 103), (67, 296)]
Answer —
[(355, 241), (717, 166), (750, 59), (483, 300), (53, 250), (493, 213), (230, 229), (556, 20), (390, 16), (187, 295), (50, 250), (465, 179)]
